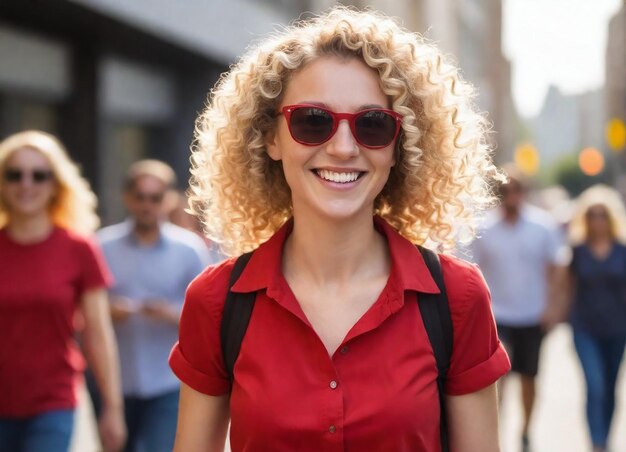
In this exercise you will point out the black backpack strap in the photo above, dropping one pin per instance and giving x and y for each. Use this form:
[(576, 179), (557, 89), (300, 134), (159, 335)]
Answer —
[(435, 313), (235, 318)]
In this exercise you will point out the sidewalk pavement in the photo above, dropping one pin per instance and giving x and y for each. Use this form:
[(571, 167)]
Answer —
[(558, 424)]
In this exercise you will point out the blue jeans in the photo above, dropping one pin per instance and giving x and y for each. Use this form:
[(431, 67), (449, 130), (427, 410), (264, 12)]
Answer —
[(45, 432), (151, 422), (600, 359)]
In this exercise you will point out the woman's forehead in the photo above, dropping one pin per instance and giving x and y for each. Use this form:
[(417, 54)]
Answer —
[(28, 156), (597, 207), (336, 82)]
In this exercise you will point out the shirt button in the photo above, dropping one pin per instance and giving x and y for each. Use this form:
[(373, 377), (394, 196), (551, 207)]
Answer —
[(332, 429), (333, 384), (344, 350)]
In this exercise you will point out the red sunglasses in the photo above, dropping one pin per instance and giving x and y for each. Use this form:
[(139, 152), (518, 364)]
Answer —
[(312, 125)]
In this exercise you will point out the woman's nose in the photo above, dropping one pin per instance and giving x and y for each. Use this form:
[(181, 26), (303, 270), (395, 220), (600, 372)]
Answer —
[(342, 144)]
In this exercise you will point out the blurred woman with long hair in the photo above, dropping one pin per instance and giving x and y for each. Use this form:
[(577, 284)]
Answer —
[(598, 312), (50, 269)]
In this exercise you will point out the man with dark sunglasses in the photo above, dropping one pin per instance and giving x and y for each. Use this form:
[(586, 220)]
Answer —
[(152, 262)]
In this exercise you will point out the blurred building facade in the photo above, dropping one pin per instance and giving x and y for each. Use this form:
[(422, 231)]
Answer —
[(616, 79), (569, 123), (616, 66), (470, 32), (118, 81), (484, 64)]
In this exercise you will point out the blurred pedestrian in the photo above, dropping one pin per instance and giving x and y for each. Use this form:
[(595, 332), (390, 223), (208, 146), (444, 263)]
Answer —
[(153, 262), (598, 294), (176, 211), (331, 149), (520, 251), (175, 207), (48, 270)]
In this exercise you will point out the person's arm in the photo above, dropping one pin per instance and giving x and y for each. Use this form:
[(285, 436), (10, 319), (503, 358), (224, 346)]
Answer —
[(558, 256), (169, 310), (163, 310), (101, 352), (473, 421), (202, 421), (121, 308), (569, 292), (557, 306)]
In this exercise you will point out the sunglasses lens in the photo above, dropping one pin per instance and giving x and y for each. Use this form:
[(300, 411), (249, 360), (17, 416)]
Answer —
[(41, 176), (11, 175), (375, 128), (16, 175), (153, 198), (310, 125)]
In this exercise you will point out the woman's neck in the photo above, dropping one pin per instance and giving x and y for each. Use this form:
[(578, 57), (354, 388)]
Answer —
[(29, 229), (599, 240), (327, 250)]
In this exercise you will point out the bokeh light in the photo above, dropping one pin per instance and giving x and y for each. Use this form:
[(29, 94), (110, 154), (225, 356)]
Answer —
[(591, 161), (527, 159), (616, 134)]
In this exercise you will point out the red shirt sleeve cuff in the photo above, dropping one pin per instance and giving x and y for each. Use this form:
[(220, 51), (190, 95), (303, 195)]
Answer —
[(480, 376), (193, 377)]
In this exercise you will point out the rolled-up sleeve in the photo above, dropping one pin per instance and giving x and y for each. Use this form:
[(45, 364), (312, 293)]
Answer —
[(94, 272), (478, 358), (196, 359)]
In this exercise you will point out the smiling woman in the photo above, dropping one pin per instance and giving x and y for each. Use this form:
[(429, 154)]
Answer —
[(442, 142), (73, 204), (330, 150), (339, 162), (48, 270)]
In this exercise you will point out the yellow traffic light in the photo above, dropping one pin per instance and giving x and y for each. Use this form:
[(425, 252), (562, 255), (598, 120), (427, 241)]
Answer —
[(616, 134), (591, 161), (527, 159)]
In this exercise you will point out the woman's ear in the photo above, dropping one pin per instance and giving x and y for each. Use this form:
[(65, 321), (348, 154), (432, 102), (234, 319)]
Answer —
[(272, 147)]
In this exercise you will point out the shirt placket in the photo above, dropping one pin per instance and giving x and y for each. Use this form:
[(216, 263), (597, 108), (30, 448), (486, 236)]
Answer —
[(336, 411)]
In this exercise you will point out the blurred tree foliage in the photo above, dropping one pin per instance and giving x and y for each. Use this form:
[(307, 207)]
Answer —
[(566, 172)]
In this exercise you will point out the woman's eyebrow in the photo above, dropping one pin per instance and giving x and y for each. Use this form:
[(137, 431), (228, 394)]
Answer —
[(368, 106), (361, 107), (313, 102)]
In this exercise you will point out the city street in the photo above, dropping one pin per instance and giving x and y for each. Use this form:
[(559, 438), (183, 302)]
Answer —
[(142, 141), (558, 426)]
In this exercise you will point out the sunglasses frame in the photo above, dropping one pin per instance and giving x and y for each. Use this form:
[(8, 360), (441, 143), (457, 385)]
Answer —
[(37, 176), (153, 198), (337, 117)]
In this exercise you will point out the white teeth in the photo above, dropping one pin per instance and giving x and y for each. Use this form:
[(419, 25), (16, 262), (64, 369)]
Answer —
[(341, 178)]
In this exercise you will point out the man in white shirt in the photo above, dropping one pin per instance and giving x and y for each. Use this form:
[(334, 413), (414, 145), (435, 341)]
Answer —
[(520, 254)]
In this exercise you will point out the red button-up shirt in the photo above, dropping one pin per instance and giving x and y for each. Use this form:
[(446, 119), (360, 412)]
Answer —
[(377, 392)]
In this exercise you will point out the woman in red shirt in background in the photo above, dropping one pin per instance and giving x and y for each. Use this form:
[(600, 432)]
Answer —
[(48, 270), (331, 149)]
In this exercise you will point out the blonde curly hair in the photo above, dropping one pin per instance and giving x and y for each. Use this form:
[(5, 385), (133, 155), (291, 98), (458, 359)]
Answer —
[(434, 192), (598, 195), (74, 204)]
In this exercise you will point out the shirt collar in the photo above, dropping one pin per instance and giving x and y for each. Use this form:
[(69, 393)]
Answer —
[(408, 269), (132, 239), (499, 214)]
